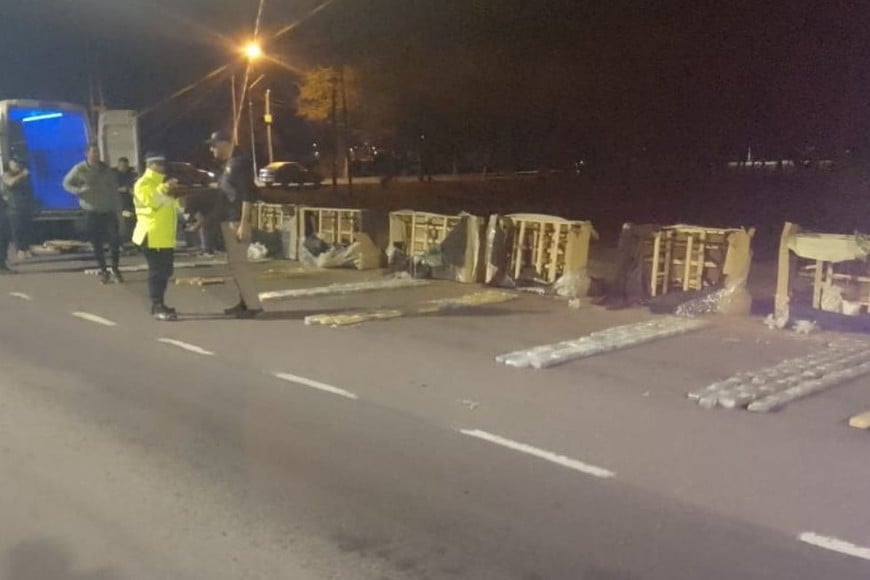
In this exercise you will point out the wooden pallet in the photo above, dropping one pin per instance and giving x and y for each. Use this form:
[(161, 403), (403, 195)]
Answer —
[(545, 247), (684, 258), (417, 234)]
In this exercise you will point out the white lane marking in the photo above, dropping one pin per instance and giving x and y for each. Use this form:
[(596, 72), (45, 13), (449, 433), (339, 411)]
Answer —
[(835, 545), (186, 346), (314, 385), (94, 318), (21, 295), (541, 453)]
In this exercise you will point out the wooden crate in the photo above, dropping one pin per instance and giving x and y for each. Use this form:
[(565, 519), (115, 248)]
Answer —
[(685, 258), (279, 220), (416, 234), (544, 247), (273, 217), (340, 226), (831, 260)]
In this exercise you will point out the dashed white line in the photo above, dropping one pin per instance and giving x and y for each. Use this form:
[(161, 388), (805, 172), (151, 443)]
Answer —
[(21, 296), (562, 460), (186, 346), (94, 318), (315, 385), (835, 545)]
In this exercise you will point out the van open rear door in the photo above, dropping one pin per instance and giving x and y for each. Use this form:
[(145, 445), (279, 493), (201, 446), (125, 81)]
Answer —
[(118, 134)]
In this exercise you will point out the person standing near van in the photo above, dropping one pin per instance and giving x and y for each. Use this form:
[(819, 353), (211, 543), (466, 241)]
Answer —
[(96, 186), (18, 194), (126, 177)]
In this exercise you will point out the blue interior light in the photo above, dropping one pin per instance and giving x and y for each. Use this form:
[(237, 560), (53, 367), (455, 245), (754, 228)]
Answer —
[(41, 117)]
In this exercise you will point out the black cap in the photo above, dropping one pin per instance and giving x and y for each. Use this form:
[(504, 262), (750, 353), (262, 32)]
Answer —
[(18, 158), (219, 136)]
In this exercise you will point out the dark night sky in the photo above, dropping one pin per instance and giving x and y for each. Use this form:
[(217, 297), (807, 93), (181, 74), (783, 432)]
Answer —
[(619, 75)]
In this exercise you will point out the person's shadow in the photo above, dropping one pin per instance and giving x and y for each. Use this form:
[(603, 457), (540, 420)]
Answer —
[(47, 560)]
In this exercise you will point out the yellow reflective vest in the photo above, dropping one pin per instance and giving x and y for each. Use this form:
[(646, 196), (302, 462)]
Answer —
[(156, 212)]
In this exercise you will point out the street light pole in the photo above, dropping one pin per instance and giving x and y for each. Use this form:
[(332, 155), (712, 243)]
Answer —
[(235, 111), (268, 118), (253, 140)]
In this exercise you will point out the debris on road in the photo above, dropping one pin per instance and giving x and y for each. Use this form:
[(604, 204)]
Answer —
[(861, 421), (66, 246), (470, 405), (257, 252), (144, 267), (200, 281), (430, 307), (610, 339), (805, 327), (774, 387), (356, 287)]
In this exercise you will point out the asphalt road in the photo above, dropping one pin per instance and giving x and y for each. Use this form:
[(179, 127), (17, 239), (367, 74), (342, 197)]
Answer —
[(212, 448)]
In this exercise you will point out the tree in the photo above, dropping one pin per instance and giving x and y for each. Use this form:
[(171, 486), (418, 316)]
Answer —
[(323, 92)]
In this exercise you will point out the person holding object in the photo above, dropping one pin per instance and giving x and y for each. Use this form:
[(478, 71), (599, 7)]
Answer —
[(238, 193), (18, 193), (156, 225), (96, 186)]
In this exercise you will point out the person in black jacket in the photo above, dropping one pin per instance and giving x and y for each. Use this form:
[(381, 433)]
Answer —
[(18, 194), (238, 193)]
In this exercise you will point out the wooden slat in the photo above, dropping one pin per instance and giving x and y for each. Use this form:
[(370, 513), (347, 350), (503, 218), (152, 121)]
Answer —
[(688, 267), (654, 274), (518, 253), (817, 284), (553, 271), (669, 254)]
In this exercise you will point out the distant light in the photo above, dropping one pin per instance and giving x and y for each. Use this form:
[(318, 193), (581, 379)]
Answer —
[(41, 117), (253, 51)]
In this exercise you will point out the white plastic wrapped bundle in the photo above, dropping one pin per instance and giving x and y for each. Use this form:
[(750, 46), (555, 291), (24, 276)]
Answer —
[(610, 339), (772, 387)]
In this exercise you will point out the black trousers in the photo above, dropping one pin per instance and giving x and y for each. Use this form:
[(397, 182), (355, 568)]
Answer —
[(102, 230), (21, 227), (161, 265), (4, 234), (237, 262)]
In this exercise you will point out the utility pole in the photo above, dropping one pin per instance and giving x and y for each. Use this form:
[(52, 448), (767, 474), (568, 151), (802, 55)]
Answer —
[(347, 160), (334, 120), (253, 140), (235, 111), (268, 118)]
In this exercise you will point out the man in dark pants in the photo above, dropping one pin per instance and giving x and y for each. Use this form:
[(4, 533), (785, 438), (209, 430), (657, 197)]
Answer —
[(96, 186), (156, 224), (238, 193), (126, 177), (4, 239)]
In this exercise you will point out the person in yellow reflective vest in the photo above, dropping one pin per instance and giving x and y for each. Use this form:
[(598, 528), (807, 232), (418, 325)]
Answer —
[(156, 225)]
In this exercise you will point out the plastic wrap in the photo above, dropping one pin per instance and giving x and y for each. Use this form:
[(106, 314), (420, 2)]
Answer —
[(772, 387), (607, 340)]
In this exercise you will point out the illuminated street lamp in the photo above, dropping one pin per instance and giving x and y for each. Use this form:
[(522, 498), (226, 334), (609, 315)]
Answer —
[(253, 51)]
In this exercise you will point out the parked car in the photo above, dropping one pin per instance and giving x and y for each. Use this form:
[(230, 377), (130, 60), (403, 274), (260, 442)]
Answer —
[(288, 173), (189, 175)]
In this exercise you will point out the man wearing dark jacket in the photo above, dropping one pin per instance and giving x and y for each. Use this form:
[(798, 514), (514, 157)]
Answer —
[(96, 186), (126, 177), (238, 193)]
